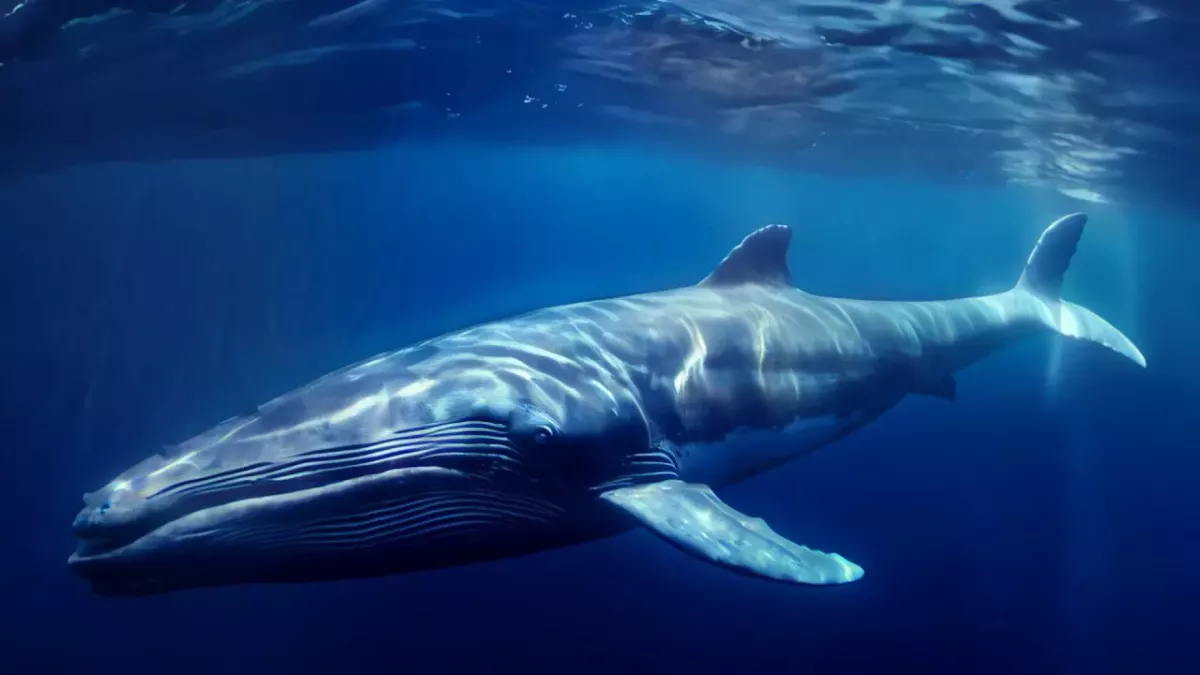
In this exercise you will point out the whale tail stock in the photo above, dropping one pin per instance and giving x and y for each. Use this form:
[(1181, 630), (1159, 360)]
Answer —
[(1042, 281)]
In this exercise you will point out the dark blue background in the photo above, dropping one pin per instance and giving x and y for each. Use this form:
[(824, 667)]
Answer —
[(1044, 523)]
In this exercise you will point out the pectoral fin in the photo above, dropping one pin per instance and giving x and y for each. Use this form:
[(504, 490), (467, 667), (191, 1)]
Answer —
[(694, 519)]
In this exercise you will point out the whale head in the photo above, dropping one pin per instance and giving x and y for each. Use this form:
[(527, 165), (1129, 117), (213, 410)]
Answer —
[(425, 458)]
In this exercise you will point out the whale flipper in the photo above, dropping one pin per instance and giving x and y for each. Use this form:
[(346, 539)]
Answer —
[(697, 521)]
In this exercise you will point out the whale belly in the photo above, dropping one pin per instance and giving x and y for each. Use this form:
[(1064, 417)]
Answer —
[(747, 451)]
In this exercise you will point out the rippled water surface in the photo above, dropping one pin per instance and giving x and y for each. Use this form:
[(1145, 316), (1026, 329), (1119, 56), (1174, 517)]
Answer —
[(1091, 98)]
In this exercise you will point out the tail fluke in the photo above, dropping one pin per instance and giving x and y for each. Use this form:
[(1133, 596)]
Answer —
[(1043, 279), (1082, 323)]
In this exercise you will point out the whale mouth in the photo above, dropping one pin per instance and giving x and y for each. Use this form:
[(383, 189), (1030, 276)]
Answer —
[(90, 548), (399, 520), (119, 542)]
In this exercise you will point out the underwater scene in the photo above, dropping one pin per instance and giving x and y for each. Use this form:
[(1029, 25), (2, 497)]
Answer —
[(705, 336)]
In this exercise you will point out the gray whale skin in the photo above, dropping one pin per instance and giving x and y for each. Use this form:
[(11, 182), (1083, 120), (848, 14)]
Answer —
[(560, 426)]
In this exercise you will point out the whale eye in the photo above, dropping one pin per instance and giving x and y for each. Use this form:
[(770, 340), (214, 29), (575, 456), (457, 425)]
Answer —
[(530, 425)]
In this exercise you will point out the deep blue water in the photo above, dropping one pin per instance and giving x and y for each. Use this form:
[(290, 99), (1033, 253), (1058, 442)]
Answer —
[(1046, 522)]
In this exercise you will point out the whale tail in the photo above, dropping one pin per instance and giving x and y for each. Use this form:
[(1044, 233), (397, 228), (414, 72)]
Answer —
[(1042, 281)]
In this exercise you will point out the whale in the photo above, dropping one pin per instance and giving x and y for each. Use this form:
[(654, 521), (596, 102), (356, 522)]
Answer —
[(559, 426)]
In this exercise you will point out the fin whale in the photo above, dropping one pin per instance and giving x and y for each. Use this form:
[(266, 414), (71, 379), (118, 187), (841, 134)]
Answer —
[(559, 426)]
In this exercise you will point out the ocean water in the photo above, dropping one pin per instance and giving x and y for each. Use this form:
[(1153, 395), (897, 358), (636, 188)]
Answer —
[(177, 248)]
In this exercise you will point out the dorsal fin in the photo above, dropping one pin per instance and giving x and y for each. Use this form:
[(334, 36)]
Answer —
[(761, 258)]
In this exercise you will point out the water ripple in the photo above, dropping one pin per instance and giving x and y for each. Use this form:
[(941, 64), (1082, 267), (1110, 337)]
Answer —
[(1088, 98)]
